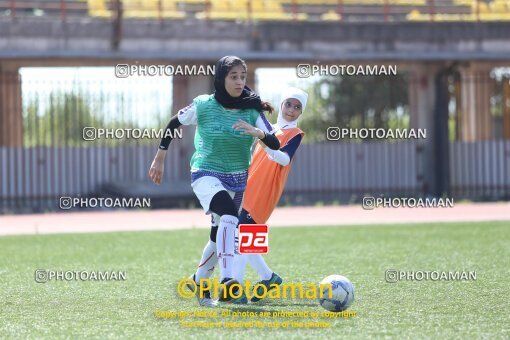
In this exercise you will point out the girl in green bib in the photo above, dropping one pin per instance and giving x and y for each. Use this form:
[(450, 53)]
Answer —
[(227, 123)]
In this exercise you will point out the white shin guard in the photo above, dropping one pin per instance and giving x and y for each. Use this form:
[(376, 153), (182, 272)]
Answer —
[(225, 245), (207, 262)]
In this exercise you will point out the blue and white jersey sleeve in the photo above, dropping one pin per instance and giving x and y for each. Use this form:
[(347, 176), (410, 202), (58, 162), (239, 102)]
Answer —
[(263, 124), (291, 146), (285, 154), (188, 115)]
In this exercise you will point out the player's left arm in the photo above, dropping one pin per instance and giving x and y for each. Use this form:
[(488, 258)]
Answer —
[(285, 154)]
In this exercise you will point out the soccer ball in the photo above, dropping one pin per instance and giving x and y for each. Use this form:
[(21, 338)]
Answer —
[(342, 294)]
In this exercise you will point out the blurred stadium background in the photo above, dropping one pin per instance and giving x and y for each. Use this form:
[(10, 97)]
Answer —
[(57, 76)]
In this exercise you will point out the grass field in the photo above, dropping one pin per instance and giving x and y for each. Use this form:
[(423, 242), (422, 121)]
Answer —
[(155, 261)]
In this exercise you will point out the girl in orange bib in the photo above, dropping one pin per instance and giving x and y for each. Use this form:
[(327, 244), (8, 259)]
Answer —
[(267, 176)]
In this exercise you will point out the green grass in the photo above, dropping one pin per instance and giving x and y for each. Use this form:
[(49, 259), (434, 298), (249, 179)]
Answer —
[(155, 261)]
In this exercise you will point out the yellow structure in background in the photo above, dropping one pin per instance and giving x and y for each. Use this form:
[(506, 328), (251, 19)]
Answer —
[(292, 10), (356, 2), (97, 8), (137, 9), (331, 16), (152, 9), (248, 10), (497, 10)]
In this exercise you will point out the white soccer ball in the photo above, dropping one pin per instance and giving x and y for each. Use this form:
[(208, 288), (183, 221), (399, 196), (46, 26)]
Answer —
[(342, 295)]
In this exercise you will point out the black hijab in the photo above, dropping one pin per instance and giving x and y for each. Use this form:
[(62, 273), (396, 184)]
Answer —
[(247, 100)]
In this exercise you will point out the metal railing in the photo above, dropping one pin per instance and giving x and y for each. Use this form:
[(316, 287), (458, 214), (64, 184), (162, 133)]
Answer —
[(48, 157)]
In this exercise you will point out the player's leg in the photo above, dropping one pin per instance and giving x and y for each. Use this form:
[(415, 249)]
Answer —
[(214, 198), (206, 266), (268, 278), (240, 267), (209, 258), (223, 205), (258, 263), (241, 259), (255, 260)]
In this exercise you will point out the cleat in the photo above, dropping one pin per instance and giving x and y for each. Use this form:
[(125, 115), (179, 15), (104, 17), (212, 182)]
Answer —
[(223, 294), (242, 300), (206, 300), (275, 279)]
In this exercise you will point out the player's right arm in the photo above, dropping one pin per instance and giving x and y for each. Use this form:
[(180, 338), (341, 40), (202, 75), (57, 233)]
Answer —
[(186, 116)]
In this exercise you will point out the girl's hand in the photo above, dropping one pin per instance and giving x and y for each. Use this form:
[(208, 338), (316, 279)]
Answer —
[(248, 129), (157, 167)]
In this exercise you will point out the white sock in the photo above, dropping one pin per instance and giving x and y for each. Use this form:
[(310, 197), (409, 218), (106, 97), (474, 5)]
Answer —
[(239, 267), (225, 245), (207, 262), (258, 263)]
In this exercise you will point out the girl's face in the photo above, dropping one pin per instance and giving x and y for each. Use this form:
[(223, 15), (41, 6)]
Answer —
[(291, 109), (235, 81)]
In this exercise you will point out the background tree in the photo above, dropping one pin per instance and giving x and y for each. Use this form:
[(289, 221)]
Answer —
[(356, 102)]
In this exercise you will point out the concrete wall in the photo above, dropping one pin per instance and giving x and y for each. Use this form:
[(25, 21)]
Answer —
[(202, 40)]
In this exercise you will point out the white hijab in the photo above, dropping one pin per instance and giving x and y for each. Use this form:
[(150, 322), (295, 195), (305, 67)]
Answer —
[(291, 92)]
